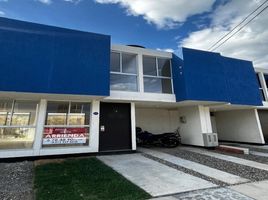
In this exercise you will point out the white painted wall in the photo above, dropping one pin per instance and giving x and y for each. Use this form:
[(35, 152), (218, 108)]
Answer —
[(191, 130), (156, 120), (239, 126), (213, 124)]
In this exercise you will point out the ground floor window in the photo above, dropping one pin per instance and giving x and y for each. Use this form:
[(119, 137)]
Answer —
[(67, 124), (17, 124)]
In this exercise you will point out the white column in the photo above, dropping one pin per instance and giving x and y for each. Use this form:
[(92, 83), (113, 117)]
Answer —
[(259, 127), (140, 73), (133, 126), (205, 119), (94, 126), (40, 127)]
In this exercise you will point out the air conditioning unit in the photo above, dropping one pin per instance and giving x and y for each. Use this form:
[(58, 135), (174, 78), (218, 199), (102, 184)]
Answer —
[(210, 139)]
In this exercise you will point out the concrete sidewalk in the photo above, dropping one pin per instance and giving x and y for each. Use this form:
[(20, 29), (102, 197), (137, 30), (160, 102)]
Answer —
[(256, 190), (155, 178)]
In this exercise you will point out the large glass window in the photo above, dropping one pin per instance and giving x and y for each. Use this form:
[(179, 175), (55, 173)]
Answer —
[(17, 124), (67, 124), (123, 72), (157, 75)]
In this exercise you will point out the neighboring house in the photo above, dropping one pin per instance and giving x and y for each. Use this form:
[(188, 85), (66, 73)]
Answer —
[(65, 91)]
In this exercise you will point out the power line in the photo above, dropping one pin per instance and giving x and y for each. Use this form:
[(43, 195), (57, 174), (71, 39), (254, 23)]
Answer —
[(240, 28), (237, 25)]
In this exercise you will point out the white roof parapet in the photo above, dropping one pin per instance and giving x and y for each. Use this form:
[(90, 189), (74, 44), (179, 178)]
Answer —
[(263, 70), (144, 51)]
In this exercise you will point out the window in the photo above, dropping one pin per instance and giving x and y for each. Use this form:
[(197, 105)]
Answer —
[(17, 124), (260, 87), (157, 75), (123, 72), (67, 124)]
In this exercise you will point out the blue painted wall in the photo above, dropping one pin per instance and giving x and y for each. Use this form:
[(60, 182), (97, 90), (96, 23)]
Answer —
[(178, 78), (43, 59), (208, 76)]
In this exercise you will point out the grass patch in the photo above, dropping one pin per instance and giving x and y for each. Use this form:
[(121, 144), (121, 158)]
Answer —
[(80, 179)]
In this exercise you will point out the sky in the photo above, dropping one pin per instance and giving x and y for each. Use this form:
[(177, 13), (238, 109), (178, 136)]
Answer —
[(166, 25)]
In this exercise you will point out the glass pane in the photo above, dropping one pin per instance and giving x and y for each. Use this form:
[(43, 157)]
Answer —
[(149, 66), (60, 137), (115, 62), (57, 113), (79, 114), (262, 95), (258, 79), (164, 67), (24, 113), (129, 63), (152, 85), (16, 138), (5, 112), (123, 82), (266, 78), (157, 85), (166, 86)]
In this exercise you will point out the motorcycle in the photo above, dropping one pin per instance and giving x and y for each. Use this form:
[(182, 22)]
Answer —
[(169, 140)]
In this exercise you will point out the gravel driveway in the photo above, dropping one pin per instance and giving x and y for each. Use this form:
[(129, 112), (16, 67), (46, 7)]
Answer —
[(16, 181), (240, 170)]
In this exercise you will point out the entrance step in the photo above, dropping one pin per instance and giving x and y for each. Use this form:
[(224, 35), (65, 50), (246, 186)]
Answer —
[(202, 169), (155, 178), (233, 149)]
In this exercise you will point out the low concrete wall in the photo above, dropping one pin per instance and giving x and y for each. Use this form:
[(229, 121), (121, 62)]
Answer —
[(239, 126)]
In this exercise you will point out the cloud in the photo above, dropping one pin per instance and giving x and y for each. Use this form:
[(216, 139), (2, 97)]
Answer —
[(250, 44), (2, 13), (48, 2), (45, 1), (163, 13), (167, 50)]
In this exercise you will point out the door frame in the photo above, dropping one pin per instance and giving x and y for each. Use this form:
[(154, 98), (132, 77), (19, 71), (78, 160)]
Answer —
[(132, 126)]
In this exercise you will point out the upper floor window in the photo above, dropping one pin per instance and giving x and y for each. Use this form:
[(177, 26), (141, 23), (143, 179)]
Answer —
[(157, 75), (123, 72)]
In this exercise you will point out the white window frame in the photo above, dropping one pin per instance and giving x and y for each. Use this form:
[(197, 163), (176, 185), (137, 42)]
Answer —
[(22, 126), (128, 74), (157, 72), (67, 123)]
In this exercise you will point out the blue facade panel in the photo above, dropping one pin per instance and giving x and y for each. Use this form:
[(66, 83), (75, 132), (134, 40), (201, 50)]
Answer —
[(178, 78), (209, 76), (43, 59)]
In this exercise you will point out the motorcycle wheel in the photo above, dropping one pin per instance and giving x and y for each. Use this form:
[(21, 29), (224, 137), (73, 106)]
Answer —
[(170, 143)]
